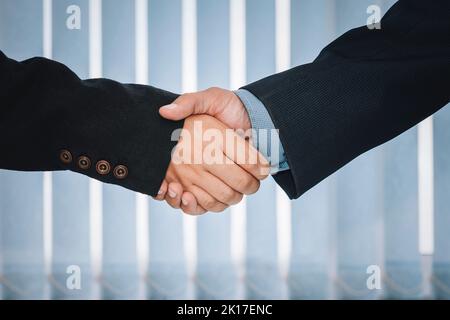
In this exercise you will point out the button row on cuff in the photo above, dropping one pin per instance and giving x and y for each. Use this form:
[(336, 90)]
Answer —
[(102, 167)]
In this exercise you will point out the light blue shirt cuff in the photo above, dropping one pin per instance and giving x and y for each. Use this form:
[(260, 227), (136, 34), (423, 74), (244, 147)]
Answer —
[(265, 137)]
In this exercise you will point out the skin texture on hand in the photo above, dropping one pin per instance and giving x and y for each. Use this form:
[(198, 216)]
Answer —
[(219, 103), (229, 168)]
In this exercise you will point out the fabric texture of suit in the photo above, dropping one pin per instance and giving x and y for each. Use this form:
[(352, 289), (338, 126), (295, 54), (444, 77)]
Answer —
[(363, 89), (46, 108)]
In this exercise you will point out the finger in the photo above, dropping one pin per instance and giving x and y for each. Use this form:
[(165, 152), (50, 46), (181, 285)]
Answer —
[(241, 152), (235, 177), (218, 189), (196, 212), (184, 106), (173, 195), (205, 200), (189, 204), (162, 191)]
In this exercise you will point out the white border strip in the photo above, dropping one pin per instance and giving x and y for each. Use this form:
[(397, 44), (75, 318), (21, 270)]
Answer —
[(426, 186)]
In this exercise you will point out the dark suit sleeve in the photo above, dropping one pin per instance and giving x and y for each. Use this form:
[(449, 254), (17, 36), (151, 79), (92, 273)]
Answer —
[(45, 108), (365, 88)]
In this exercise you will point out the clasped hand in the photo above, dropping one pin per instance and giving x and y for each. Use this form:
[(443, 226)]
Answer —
[(214, 164)]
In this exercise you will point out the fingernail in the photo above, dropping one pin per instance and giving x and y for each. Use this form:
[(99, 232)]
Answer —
[(172, 194), (185, 202), (170, 106), (160, 192)]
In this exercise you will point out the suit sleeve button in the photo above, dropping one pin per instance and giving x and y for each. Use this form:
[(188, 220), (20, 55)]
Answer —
[(65, 156), (120, 172), (103, 167), (84, 162)]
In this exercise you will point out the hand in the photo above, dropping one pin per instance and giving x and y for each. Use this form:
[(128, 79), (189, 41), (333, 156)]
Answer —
[(222, 104), (219, 103), (218, 175)]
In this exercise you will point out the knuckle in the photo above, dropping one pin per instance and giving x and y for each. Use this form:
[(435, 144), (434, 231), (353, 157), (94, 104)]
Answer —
[(214, 89), (228, 195), (219, 207), (209, 204), (238, 198), (186, 96), (264, 172), (249, 185), (190, 212), (173, 203), (194, 211), (260, 172), (187, 211), (253, 187)]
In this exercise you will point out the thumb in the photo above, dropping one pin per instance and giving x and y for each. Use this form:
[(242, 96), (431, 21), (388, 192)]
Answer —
[(181, 108)]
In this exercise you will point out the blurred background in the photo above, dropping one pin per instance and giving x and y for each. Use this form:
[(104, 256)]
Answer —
[(385, 216)]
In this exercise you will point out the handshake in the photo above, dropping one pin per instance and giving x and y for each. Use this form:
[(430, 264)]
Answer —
[(328, 112), (214, 163)]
